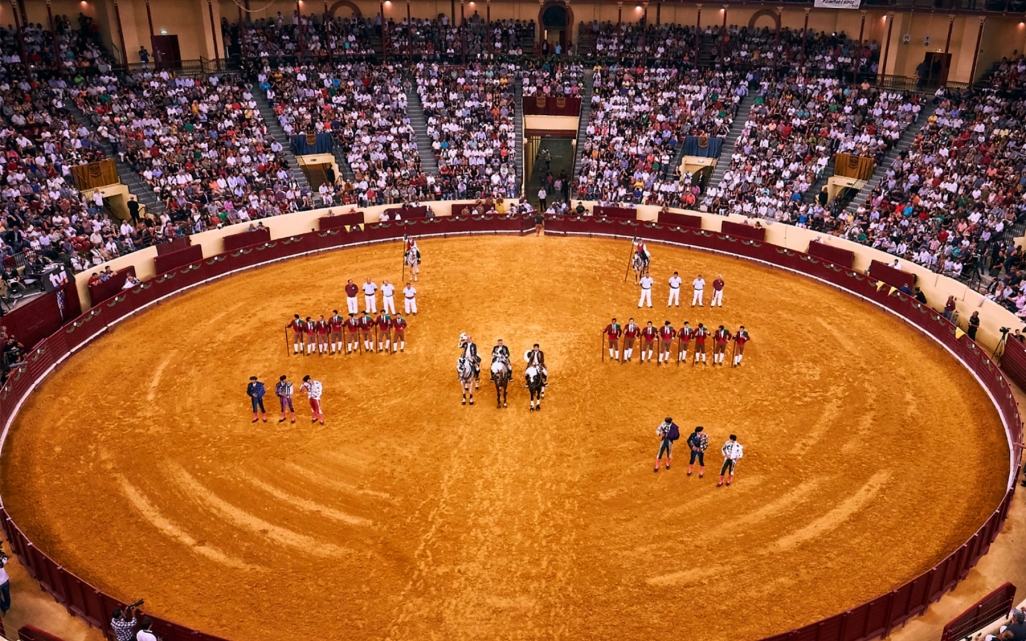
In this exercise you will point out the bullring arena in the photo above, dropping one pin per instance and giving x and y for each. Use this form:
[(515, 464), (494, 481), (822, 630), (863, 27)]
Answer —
[(410, 516)]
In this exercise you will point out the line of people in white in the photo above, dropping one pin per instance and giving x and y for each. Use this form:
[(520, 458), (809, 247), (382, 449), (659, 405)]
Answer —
[(675, 282)]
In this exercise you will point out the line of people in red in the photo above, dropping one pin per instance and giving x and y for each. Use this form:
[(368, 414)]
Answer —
[(383, 333), (649, 335)]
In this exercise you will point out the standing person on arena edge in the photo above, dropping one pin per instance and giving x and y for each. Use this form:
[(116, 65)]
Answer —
[(646, 290), (720, 336), (323, 328), (717, 299), (384, 323), (313, 390), (398, 334), (700, 335), (310, 334), (536, 358), (370, 299), (351, 293), (283, 390), (648, 336), (697, 443), (297, 327), (352, 334), (409, 299), (255, 390), (668, 432), (740, 338), (630, 333), (732, 453), (366, 332), (699, 286), (613, 332), (336, 321), (685, 334), (666, 335), (387, 297)]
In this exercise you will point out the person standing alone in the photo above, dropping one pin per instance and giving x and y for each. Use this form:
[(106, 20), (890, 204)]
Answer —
[(732, 453), (717, 299), (370, 299), (351, 292), (674, 300), (699, 285), (313, 390), (668, 432), (697, 443), (646, 290)]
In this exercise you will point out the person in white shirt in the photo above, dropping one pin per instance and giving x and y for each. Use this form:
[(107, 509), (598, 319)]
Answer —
[(369, 298), (732, 453), (646, 291), (146, 633), (699, 285), (387, 302), (674, 299), (130, 282), (410, 299)]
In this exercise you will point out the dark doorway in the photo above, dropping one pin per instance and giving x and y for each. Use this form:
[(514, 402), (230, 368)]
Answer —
[(166, 54), (556, 157), (935, 67), (554, 26)]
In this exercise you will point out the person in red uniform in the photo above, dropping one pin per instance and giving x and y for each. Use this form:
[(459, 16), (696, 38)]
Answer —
[(398, 334), (335, 322), (321, 329), (720, 336), (630, 333), (352, 334), (666, 335), (310, 335), (366, 327), (700, 335), (685, 335), (613, 332), (740, 338), (648, 336), (352, 291), (297, 333), (384, 333)]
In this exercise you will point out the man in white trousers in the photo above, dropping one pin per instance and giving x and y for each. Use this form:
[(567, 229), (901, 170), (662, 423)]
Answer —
[(646, 291), (699, 285), (387, 302), (674, 299), (351, 293), (370, 298), (717, 300), (410, 299)]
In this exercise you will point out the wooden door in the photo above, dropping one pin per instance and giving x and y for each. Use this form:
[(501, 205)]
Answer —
[(166, 54)]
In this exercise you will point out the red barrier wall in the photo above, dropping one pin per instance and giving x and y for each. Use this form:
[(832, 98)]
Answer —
[(178, 244), (247, 238), (891, 276), (41, 317), (680, 220), (551, 106), (105, 290), (340, 222), (615, 212), (167, 262), (842, 257), (407, 213), (867, 621), (1013, 361), (990, 608), (743, 231)]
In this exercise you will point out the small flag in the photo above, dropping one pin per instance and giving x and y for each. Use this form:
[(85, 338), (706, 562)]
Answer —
[(879, 285), (347, 228), (892, 290), (958, 333)]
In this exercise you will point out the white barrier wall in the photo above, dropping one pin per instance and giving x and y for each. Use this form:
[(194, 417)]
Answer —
[(935, 286)]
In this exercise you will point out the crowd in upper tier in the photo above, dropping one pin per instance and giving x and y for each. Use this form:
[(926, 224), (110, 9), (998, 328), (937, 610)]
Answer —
[(203, 147)]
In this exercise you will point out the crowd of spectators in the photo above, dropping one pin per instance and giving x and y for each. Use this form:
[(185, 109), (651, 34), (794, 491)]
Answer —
[(364, 108), (1010, 75), (469, 112), (794, 128), (550, 78), (274, 39), (440, 39), (638, 119)]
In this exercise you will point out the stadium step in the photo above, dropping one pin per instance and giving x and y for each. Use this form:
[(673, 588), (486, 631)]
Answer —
[(582, 125), (137, 186), (518, 119), (744, 112), (904, 142), (415, 109), (274, 128)]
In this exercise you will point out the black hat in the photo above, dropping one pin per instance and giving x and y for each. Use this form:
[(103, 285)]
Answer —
[(668, 420)]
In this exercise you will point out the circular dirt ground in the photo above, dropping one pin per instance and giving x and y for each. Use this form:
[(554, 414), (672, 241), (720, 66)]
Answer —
[(870, 454)]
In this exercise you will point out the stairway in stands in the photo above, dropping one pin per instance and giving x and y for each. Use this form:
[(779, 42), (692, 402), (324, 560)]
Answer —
[(744, 110), (881, 169), (585, 40), (415, 109), (706, 51), (582, 126), (274, 128), (518, 120), (137, 186)]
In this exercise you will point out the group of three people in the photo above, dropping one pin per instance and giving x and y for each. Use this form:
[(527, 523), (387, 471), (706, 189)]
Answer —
[(697, 442)]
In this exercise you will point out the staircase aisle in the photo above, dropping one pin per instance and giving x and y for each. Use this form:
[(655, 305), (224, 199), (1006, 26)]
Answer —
[(518, 119), (744, 111), (902, 145), (582, 126), (274, 128), (415, 109), (137, 186)]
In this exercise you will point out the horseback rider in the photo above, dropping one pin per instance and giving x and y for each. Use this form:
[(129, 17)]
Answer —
[(469, 348), (411, 245), (535, 357), (642, 251), (500, 353)]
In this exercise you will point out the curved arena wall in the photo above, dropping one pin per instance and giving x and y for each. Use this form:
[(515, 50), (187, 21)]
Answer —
[(870, 620)]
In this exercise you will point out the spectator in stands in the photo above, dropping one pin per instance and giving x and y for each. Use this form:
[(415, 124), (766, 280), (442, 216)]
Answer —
[(974, 325), (123, 623), (5, 584), (146, 631)]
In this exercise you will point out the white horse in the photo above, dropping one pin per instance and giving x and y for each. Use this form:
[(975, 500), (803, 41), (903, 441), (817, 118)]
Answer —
[(413, 261), (640, 266), (535, 385), (465, 372)]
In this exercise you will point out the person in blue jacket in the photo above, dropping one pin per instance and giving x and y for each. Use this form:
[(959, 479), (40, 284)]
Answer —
[(255, 390)]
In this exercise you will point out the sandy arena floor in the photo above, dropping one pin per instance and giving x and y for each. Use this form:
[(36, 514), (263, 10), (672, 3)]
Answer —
[(870, 454)]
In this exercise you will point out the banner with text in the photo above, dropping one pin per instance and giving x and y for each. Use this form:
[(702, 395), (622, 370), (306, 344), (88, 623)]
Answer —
[(838, 4)]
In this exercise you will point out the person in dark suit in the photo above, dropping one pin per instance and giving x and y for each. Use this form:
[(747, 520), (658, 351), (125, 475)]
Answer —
[(133, 209)]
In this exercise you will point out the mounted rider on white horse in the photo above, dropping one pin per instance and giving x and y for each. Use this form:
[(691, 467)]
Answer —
[(536, 358), (641, 251), (500, 356), (469, 351), (411, 254)]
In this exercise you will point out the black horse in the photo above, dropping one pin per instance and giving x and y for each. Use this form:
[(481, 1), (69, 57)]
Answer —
[(536, 386), (502, 371)]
